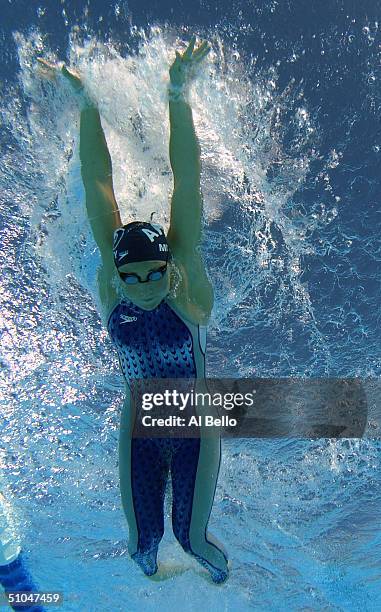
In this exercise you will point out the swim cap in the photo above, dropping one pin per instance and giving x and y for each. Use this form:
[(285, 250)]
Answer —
[(139, 241)]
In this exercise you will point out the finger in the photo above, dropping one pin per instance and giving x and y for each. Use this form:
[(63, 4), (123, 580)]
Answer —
[(202, 46), (198, 58), (202, 51), (45, 63), (206, 51), (71, 73), (67, 73), (189, 50), (46, 70)]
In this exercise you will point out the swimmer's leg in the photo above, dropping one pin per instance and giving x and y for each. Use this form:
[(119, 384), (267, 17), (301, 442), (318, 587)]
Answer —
[(143, 471), (195, 466)]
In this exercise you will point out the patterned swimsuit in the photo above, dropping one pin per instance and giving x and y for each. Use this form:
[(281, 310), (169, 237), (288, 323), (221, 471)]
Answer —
[(160, 344)]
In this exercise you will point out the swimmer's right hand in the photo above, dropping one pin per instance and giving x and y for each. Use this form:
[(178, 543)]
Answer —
[(52, 71)]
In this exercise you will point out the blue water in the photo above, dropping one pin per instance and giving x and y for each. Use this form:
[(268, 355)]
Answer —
[(288, 116)]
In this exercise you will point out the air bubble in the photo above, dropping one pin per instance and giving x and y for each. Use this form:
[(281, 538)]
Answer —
[(66, 22)]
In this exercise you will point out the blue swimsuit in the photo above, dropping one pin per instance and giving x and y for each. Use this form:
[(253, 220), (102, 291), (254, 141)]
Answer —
[(160, 344)]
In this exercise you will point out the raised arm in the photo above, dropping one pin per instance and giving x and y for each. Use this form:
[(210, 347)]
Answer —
[(102, 209), (184, 233), (96, 171), (96, 167), (184, 153)]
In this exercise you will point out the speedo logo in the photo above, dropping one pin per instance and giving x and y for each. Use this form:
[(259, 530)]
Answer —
[(127, 319)]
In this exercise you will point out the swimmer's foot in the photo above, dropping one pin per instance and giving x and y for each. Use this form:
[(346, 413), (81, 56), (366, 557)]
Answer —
[(146, 561), (218, 576)]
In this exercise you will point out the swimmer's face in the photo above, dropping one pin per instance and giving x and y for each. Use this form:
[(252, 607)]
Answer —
[(146, 295)]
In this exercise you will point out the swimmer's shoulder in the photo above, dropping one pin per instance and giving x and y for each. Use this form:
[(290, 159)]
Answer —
[(194, 291), (190, 313), (107, 288)]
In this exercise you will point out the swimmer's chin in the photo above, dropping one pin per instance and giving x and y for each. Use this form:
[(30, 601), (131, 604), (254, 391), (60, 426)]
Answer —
[(150, 304), (148, 308)]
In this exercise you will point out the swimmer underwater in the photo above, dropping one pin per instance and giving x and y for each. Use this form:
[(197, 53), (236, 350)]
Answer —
[(156, 335)]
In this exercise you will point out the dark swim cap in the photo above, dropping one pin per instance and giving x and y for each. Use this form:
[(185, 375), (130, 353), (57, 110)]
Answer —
[(139, 241)]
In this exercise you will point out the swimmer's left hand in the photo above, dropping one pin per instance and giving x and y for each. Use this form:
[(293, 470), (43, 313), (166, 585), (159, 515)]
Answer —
[(185, 65)]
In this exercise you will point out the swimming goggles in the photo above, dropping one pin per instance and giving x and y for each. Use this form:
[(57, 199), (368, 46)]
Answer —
[(133, 279)]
